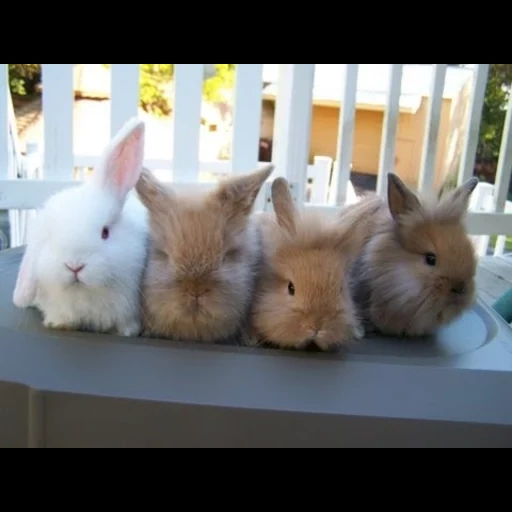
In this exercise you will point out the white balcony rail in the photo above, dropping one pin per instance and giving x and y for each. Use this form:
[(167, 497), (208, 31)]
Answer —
[(16, 168), (324, 184)]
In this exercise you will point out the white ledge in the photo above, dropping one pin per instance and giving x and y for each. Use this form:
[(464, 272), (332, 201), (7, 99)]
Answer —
[(81, 389)]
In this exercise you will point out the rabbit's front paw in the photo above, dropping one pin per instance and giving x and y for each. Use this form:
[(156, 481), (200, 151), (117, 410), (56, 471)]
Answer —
[(59, 324), (249, 338), (130, 329), (358, 332)]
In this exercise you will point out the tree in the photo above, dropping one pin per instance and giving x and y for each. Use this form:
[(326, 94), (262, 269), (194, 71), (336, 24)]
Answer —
[(491, 126), (224, 79), (23, 78), (154, 83), (156, 78), (494, 111)]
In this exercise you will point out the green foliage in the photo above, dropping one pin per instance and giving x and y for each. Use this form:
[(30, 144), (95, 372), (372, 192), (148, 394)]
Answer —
[(223, 79), (23, 78), (493, 119), (494, 110), (155, 80)]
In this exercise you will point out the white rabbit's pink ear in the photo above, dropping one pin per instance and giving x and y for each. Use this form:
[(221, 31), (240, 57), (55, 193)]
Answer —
[(123, 158), (26, 286)]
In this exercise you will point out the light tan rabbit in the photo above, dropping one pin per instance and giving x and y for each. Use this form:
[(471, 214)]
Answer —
[(303, 294), (203, 259)]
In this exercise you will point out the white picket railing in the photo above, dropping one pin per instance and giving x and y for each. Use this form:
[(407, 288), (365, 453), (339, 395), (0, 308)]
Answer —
[(292, 127), (16, 168)]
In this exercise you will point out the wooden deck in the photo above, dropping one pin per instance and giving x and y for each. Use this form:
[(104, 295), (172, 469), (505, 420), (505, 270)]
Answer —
[(494, 277)]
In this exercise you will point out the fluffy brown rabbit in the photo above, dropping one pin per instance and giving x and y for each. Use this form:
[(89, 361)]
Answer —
[(417, 270), (204, 256), (303, 296)]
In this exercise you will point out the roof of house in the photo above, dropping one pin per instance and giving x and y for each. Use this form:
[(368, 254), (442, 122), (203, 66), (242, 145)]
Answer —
[(372, 83)]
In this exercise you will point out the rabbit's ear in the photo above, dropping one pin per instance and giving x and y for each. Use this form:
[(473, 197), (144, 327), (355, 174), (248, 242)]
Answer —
[(122, 160), (353, 228), (284, 207), (26, 285), (154, 195), (401, 200), (238, 194), (454, 205)]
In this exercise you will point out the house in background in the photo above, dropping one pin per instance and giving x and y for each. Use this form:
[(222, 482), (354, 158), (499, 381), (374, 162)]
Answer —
[(373, 80), (92, 115)]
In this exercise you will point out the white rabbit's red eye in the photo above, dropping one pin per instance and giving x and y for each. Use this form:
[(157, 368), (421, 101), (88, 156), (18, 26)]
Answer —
[(105, 233)]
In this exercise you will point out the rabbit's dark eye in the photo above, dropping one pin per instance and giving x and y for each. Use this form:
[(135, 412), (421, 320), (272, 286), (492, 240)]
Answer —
[(430, 259), (291, 288), (105, 233)]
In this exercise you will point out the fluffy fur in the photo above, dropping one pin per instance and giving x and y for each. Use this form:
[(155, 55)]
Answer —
[(99, 226), (417, 271), (204, 256), (303, 295)]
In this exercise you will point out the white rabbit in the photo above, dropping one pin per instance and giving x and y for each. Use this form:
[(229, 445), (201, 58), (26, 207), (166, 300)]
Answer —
[(87, 248)]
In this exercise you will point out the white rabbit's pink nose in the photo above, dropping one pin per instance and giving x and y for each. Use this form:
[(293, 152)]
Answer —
[(74, 269)]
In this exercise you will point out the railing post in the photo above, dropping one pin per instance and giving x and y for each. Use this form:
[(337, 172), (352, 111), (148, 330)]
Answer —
[(5, 149), (482, 201), (16, 168), (389, 127), (467, 162), (188, 87), (4, 121), (292, 124), (432, 124), (124, 94), (33, 161), (58, 106), (31, 171), (343, 161), (350, 194), (320, 173), (501, 240), (503, 174), (246, 117)]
